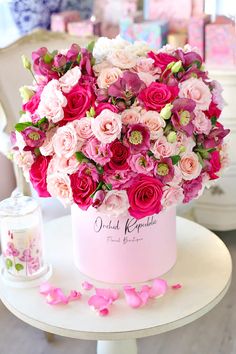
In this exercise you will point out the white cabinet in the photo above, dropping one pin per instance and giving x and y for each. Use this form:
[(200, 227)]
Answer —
[(216, 209)]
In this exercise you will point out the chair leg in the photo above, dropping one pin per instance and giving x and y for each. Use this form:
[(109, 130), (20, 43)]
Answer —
[(49, 337)]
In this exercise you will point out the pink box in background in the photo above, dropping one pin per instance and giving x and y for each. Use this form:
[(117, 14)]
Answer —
[(198, 7), (81, 29), (221, 43), (196, 32), (60, 20), (176, 13)]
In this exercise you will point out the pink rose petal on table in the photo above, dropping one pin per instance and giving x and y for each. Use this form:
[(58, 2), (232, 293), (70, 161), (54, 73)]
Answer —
[(158, 288), (98, 302), (133, 299), (104, 312), (74, 295), (87, 286), (45, 288), (109, 294), (176, 286), (56, 297)]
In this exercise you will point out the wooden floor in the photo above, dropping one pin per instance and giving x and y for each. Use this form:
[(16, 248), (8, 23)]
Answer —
[(215, 333)]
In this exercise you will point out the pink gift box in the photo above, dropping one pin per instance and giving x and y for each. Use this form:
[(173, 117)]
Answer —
[(111, 11), (82, 28), (176, 13), (198, 7), (60, 21), (221, 43), (196, 32)]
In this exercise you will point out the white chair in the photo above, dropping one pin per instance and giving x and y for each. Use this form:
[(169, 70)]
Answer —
[(12, 77)]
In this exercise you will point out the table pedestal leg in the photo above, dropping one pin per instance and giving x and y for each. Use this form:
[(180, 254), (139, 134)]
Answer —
[(117, 347)]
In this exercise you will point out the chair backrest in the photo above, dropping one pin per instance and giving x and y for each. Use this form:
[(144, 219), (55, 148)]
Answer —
[(13, 75)]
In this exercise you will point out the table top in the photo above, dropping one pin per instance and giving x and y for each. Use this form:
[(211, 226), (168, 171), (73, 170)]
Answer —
[(203, 268)]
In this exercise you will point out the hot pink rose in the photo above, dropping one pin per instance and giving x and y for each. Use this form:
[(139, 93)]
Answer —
[(215, 165), (190, 166), (107, 126), (70, 79), (157, 95), (162, 148), (105, 105), (141, 163), (196, 90), (115, 203), (161, 60), (66, 142), (172, 196), (145, 196), (58, 185), (154, 122), (80, 99), (202, 125), (38, 175), (83, 128), (130, 116), (32, 104), (96, 151)]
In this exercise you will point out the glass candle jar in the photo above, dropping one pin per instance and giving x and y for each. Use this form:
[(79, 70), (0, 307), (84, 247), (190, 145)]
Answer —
[(21, 237)]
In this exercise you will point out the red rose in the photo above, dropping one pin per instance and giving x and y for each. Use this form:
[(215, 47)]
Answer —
[(32, 104), (83, 185), (145, 196), (105, 105), (120, 154), (38, 175), (157, 95), (161, 60), (79, 101), (213, 111)]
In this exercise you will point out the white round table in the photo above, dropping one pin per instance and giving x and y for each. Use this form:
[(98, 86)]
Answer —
[(203, 268)]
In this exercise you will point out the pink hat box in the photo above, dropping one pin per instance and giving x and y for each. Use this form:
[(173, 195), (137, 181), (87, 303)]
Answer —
[(123, 249)]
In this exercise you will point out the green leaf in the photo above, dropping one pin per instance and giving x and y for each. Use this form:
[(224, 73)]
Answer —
[(211, 150), (47, 58), (90, 46), (42, 120), (150, 153), (79, 58), (99, 187), (54, 52), (175, 159), (93, 61), (21, 126), (81, 157), (108, 186), (19, 267), (100, 169), (213, 120), (200, 159), (9, 263)]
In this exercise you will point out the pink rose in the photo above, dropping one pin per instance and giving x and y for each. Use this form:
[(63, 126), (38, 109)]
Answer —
[(38, 175), (97, 152), (47, 148), (196, 90), (66, 142), (32, 104), (172, 196), (83, 128), (189, 166), (130, 116), (23, 159), (177, 179), (80, 99), (147, 78), (52, 102), (161, 60), (107, 126), (145, 196), (146, 65), (154, 122), (119, 156), (108, 76), (61, 164), (157, 95), (115, 203), (122, 59), (58, 185), (70, 79), (105, 105), (162, 148), (141, 163), (202, 125)]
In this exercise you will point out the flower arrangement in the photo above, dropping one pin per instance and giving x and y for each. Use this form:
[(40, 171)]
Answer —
[(119, 127)]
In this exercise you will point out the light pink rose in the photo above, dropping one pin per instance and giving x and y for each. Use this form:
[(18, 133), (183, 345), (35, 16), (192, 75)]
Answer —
[(58, 185), (20, 142), (177, 179), (154, 122), (24, 159), (61, 164), (65, 141), (107, 126), (162, 148), (97, 68), (147, 78), (52, 102), (83, 128), (217, 94), (47, 148), (115, 203), (108, 76), (196, 90), (122, 59), (145, 65), (202, 125), (172, 196), (130, 116), (189, 166), (96, 151), (141, 163), (70, 79)]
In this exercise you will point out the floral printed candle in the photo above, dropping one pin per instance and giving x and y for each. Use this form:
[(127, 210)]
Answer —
[(21, 237)]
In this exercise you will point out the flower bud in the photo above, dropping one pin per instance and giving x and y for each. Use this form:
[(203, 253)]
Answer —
[(171, 137), (182, 149), (176, 67), (26, 62), (166, 111), (26, 93)]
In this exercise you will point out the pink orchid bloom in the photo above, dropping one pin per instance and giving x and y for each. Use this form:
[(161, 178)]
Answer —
[(176, 286), (87, 286)]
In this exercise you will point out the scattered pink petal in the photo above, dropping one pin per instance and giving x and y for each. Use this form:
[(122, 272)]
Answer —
[(74, 295), (133, 299), (158, 288), (56, 296), (98, 302), (45, 288), (110, 294), (104, 312), (87, 286), (176, 286)]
